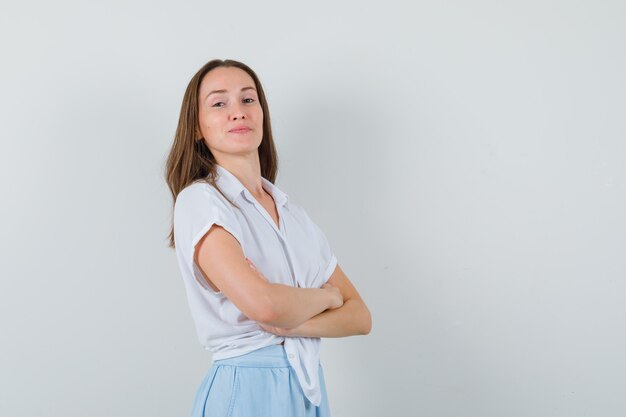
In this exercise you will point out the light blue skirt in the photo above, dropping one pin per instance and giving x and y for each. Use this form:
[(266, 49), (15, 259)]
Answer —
[(261, 383)]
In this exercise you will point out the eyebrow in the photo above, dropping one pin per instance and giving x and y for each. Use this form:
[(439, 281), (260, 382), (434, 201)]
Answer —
[(223, 91)]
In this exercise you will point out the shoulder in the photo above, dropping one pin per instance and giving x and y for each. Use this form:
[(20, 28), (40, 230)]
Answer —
[(200, 201), (197, 189), (199, 192), (197, 207)]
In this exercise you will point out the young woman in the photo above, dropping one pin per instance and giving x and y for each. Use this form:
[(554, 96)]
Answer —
[(262, 282)]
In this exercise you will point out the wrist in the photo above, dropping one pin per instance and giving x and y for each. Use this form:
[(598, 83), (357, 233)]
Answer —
[(329, 298)]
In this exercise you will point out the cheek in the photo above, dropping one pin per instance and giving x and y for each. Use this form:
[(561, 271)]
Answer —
[(209, 129), (210, 121), (259, 114)]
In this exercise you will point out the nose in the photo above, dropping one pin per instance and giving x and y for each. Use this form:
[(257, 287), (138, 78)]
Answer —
[(237, 112)]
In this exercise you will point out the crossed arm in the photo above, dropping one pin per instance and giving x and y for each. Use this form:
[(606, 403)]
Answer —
[(305, 310), (352, 318)]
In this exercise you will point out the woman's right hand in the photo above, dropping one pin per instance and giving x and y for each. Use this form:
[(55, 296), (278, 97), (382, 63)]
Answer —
[(335, 296)]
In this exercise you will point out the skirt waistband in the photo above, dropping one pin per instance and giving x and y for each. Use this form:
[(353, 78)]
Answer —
[(272, 356)]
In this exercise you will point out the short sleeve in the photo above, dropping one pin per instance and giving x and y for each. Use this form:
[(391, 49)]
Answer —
[(197, 208), (328, 256)]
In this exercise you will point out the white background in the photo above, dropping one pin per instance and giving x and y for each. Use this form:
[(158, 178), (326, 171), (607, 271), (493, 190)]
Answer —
[(465, 159)]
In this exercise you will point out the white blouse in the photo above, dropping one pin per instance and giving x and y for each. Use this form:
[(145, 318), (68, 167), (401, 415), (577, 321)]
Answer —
[(296, 253)]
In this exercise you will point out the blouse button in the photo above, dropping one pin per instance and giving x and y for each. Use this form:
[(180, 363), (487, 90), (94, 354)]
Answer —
[(291, 356)]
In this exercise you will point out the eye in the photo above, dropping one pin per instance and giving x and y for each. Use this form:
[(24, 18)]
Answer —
[(246, 100), (217, 104)]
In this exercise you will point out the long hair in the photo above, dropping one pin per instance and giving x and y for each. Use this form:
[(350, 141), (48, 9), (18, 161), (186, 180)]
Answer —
[(190, 160)]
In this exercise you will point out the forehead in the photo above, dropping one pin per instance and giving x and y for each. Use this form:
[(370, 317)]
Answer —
[(225, 78)]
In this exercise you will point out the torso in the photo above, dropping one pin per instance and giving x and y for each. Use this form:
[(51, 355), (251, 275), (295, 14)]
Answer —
[(270, 206)]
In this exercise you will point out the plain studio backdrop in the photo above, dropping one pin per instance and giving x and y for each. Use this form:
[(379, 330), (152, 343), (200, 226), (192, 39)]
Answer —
[(465, 159)]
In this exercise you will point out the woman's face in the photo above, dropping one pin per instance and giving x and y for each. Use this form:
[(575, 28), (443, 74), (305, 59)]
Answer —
[(230, 115)]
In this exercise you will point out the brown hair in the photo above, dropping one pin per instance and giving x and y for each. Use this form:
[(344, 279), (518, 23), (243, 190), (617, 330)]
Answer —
[(190, 160)]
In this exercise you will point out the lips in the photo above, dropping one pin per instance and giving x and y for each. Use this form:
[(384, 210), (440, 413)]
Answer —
[(240, 129)]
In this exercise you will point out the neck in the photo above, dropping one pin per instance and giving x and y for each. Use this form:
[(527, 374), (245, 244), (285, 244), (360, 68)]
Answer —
[(247, 171)]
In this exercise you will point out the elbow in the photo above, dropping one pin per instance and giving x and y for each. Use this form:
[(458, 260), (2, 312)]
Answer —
[(366, 327), (266, 315), (265, 310)]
